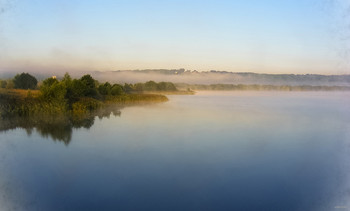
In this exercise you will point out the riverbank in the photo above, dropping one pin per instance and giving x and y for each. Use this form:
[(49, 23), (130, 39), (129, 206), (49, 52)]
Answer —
[(30, 102)]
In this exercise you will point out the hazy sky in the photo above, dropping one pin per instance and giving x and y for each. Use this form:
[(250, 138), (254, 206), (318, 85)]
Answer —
[(270, 36)]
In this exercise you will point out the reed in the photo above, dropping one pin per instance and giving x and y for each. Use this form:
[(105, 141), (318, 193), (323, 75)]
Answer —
[(27, 103)]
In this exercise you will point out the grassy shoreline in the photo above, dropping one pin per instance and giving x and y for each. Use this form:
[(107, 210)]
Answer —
[(179, 92), (29, 102)]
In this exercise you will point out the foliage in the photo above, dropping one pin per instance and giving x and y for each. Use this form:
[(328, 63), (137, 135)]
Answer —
[(10, 84), (139, 87), (89, 86), (105, 89), (76, 89), (76, 96), (85, 105), (25, 81), (128, 88), (166, 86), (151, 86), (3, 84), (53, 90), (136, 98), (117, 90)]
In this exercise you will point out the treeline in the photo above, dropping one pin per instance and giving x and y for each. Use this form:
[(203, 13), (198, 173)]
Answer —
[(85, 86), (76, 95), (257, 87), (20, 81)]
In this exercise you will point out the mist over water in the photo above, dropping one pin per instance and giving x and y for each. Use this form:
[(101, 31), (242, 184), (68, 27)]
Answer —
[(210, 151), (217, 77), (206, 78)]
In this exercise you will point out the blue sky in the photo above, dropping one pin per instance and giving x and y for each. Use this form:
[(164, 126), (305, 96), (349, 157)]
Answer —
[(264, 36)]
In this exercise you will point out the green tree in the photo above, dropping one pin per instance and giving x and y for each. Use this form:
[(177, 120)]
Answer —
[(53, 90), (67, 80), (128, 88), (68, 83), (117, 90), (76, 90), (166, 86), (151, 86), (139, 87), (49, 82), (25, 81), (90, 86), (105, 89)]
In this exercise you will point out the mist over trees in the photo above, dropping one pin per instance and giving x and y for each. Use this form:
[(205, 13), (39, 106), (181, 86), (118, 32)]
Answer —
[(206, 78), (221, 77), (258, 87)]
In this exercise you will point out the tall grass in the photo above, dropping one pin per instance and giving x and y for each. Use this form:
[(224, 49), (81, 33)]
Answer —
[(25, 103), (135, 98)]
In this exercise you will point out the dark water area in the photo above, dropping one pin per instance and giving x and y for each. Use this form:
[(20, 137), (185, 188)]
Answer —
[(59, 127), (210, 151)]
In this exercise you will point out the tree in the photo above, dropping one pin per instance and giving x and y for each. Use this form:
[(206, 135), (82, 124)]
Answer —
[(53, 90), (90, 86), (128, 88), (166, 86), (49, 82), (67, 80), (139, 87), (76, 90), (25, 81), (67, 83), (117, 90), (151, 86), (105, 89)]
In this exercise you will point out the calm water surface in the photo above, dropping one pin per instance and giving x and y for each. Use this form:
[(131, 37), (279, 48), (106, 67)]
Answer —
[(211, 151)]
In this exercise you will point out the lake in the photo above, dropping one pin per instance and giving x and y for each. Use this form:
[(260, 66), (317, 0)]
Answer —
[(209, 151)]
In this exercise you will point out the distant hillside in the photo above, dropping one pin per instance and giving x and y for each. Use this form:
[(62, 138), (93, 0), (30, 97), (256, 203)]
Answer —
[(211, 77), (223, 77), (256, 87)]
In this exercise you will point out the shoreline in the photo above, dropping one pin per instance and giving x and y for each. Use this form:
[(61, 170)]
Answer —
[(17, 102)]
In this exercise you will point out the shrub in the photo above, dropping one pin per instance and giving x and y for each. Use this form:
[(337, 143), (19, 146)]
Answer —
[(25, 81)]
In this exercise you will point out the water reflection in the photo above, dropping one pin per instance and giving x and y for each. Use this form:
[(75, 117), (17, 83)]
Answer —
[(58, 127), (228, 151)]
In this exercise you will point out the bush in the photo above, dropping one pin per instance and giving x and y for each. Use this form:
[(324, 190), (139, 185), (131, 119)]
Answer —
[(53, 90), (166, 86), (117, 90), (89, 86), (105, 89), (25, 81), (3, 84), (10, 84), (151, 86), (85, 105), (128, 88)]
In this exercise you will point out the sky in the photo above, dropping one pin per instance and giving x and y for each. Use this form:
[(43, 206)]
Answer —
[(262, 36)]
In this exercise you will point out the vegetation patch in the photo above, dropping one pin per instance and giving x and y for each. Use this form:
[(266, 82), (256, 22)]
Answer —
[(72, 96)]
